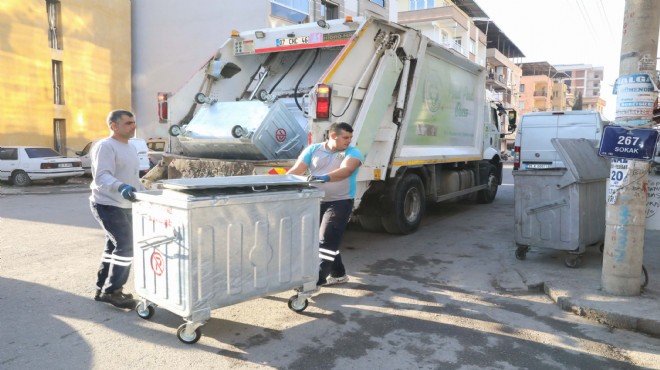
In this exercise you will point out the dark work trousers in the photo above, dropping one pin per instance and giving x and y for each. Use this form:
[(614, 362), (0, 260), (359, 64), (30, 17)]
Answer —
[(118, 254), (334, 218)]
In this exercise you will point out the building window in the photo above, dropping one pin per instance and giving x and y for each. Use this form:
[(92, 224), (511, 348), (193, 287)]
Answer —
[(329, 10), (522, 88), (58, 89), (421, 4), (473, 47), (296, 11), (54, 24), (379, 2), (445, 36)]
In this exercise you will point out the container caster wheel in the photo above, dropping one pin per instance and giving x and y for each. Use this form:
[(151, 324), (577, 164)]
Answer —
[(297, 305), (188, 339), (521, 252), (175, 130), (572, 262), (144, 311)]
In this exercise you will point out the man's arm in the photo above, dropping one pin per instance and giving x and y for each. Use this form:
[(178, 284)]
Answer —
[(298, 169), (346, 169)]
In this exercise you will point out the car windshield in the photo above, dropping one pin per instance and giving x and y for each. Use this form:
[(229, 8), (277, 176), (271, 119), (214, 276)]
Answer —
[(41, 152)]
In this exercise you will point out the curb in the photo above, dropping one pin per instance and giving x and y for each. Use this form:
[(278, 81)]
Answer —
[(612, 319)]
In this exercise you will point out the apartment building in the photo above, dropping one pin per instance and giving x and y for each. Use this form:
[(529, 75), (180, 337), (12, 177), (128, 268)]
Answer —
[(585, 80), (465, 27), (542, 89), (65, 64), (172, 39)]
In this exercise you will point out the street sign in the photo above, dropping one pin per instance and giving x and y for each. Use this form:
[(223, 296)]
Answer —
[(620, 142)]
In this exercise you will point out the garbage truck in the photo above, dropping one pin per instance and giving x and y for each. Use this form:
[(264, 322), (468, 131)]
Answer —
[(418, 110)]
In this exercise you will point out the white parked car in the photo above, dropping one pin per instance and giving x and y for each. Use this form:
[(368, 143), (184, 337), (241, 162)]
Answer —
[(139, 144), (20, 165)]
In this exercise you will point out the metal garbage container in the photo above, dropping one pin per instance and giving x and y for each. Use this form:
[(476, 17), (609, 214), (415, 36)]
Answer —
[(206, 243), (562, 208)]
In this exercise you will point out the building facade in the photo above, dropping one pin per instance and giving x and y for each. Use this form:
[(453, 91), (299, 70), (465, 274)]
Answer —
[(172, 39), (585, 80), (65, 64)]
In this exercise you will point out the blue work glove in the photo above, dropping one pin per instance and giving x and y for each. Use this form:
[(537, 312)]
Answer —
[(128, 192), (319, 178)]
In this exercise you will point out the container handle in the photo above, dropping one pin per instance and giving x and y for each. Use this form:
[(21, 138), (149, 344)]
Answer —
[(257, 190)]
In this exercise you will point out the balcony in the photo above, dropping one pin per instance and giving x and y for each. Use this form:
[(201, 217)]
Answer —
[(443, 13), (540, 93), (497, 82)]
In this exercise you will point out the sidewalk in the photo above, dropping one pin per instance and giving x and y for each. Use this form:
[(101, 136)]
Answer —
[(74, 185), (579, 290)]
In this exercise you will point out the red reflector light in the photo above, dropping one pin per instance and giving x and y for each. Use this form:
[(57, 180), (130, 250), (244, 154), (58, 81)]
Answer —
[(323, 101), (163, 113), (516, 157)]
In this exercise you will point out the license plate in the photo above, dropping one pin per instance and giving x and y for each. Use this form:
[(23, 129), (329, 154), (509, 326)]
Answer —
[(62, 165), (537, 165), (292, 41)]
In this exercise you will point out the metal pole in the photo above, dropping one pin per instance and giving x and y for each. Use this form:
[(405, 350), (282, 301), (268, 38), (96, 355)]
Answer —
[(626, 217)]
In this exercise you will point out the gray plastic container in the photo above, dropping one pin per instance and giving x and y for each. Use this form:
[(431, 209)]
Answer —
[(562, 208), (212, 242)]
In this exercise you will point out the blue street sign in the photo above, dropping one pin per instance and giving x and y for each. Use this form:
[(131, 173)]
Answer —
[(620, 142)]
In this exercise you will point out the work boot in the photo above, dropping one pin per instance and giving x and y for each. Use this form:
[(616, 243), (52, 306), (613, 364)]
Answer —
[(126, 295), (331, 280), (118, 299)]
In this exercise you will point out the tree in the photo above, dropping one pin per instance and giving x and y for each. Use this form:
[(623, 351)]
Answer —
[(578, 101)]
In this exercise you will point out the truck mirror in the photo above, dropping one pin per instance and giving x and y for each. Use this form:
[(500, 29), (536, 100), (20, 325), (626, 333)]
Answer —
[(512, 114)]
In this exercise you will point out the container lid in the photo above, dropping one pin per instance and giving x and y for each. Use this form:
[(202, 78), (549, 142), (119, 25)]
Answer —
[(580, 156), (255, 181)]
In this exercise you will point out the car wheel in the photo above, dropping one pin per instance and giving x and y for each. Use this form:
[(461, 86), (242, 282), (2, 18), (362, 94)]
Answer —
[(61, 180), (20, 178)]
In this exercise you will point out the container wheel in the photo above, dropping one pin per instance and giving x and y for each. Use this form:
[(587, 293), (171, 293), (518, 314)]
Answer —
[(175, 130), (296, 304), (645, 277), (521, 252), (405, 205), (144, 311), (572, 262), (188, 339)]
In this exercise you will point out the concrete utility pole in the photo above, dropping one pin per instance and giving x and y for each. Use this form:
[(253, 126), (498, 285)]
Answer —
[(626, 214)]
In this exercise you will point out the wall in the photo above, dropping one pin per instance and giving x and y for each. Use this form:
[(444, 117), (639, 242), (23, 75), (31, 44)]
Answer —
[(96, 77)]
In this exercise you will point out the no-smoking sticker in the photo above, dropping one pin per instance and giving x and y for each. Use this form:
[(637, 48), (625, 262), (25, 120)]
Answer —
[(157, 263), (280, 135)]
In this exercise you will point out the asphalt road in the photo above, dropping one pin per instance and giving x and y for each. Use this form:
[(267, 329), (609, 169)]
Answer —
[(446, 297)]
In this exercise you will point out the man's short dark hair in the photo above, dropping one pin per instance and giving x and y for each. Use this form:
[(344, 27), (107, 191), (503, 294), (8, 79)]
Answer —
[(338, 127), (115, 115)]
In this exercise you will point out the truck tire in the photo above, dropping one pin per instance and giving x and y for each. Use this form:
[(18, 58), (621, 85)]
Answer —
[(405, 205), (371, 223), (487, 195)]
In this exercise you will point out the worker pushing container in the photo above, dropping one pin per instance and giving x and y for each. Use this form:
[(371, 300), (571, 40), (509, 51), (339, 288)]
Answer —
[(206, 243)]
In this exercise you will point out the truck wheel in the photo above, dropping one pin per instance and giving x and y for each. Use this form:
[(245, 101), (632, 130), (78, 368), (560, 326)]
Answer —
[(20, 178), (371, 223), (487, 195), (405, 206)]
